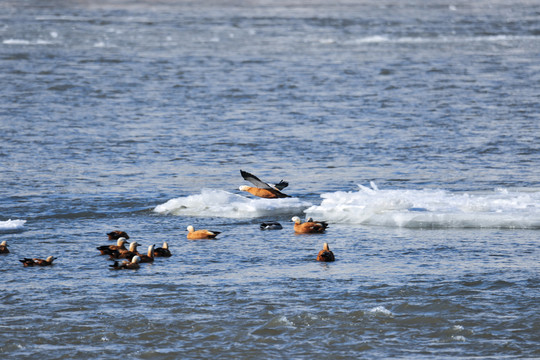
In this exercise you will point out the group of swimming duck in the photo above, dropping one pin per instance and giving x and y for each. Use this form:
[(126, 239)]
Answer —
[(132, 258)]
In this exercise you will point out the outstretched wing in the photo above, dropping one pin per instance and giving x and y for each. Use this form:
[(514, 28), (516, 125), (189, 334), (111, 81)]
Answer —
[(255, 180), (281, 185)]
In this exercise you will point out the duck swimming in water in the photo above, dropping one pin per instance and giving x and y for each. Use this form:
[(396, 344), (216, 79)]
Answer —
[(149, 257), (117, 234), (162, 251), (309, 227), (4, 247), (200, 234), (38, 262), (262, 189), (125, 253), (108, 249), (271, 225), (133, 265), (325, 254)]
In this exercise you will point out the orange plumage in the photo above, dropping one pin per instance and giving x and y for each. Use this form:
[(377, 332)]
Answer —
[(200, 234), (309, 227), (325, 254), (262, 189)]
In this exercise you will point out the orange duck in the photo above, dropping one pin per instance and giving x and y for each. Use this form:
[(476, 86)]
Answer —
[(325, 254), (38, 262), (261, 188), (309, 227), (125, 253), (162, 251), (108, 249), (4, 248), (117, 234), (133, 265), (149, 257), (200, 234)]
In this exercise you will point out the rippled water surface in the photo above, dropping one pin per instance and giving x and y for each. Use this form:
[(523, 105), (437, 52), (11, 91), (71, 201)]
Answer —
[(412, 127)]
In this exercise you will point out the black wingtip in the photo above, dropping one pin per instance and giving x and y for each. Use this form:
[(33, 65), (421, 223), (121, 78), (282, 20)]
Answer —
[(281, 185), (245, 174)]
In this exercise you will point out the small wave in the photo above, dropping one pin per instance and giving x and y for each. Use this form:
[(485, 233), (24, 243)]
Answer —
[(25, 42), (63, 18), (459, 338), (381, 310), (282, 321), (457, 333), (372, 39), (376, 39), (220, 203), (430, 208), (10, 225)]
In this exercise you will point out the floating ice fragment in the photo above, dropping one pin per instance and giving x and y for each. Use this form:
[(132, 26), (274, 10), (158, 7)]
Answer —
[(430, 208), (12, 224), (220, 203), (381, 310)]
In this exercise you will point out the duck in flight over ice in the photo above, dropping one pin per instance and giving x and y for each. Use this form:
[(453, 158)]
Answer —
[(262, 189)]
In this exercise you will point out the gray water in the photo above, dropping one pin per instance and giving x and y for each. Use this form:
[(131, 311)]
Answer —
[(138, 116)]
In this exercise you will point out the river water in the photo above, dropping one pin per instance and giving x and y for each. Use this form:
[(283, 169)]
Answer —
[(412, 127)]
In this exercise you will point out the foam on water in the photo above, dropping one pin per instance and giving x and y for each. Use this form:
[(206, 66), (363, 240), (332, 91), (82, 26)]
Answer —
[(430, 208), (220, 203), (26, 42), (380, 310), (11, 224), (376, 39)]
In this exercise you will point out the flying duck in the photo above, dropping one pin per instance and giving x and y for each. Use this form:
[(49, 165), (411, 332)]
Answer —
[(200, 234), (262, 189), (108, 249), (325, 254), (162, 251), (309, 227), (38, 262), (117, 234), (134, 264), (4, 248)]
